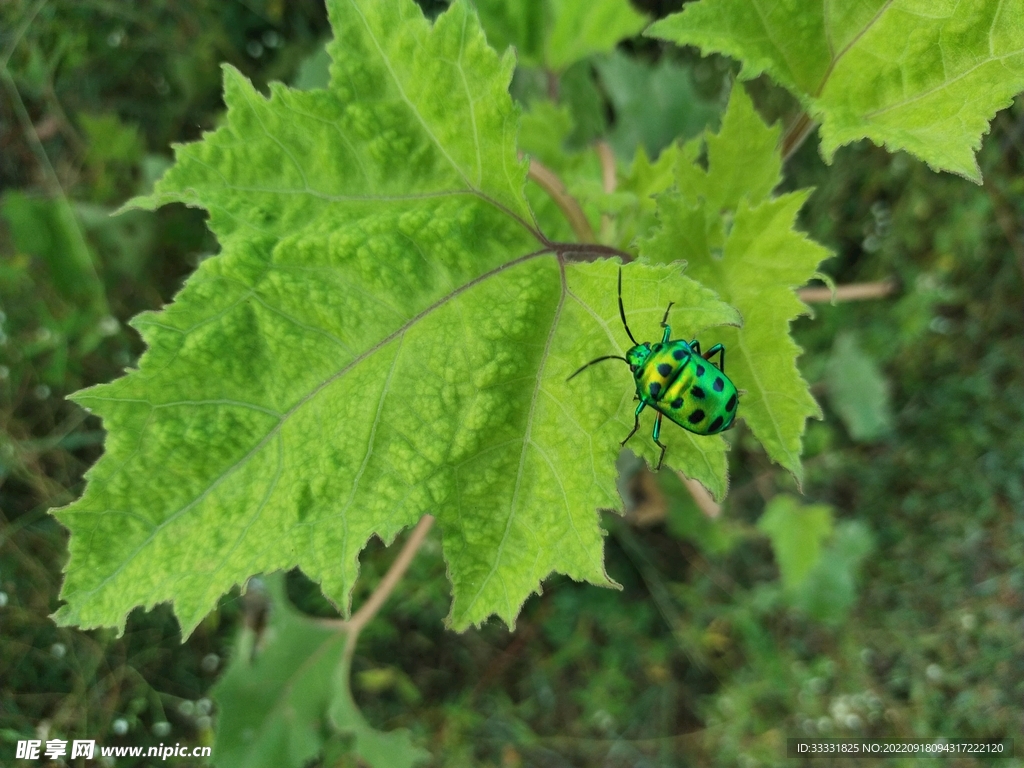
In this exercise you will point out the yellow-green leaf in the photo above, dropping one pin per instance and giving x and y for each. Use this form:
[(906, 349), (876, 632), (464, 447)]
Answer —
[(926, 77)]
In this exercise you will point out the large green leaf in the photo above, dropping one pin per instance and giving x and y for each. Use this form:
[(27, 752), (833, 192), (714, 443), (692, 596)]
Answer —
[(383, 335), (740, 240), (924, 76), (555, 33)]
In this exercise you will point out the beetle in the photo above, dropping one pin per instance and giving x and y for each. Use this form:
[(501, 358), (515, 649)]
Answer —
[(676, 380)]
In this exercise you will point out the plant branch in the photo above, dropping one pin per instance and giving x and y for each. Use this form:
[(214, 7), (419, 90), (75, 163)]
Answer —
[(354, 625), (548, 180), (552, 84), (395, 573), (851, 292), (795, 135), (701, 497), (609, 180)]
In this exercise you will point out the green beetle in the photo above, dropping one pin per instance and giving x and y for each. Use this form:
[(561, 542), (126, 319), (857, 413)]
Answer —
[(674, 378)]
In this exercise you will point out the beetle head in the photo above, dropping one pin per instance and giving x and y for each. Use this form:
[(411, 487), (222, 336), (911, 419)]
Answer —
[(638, 355)]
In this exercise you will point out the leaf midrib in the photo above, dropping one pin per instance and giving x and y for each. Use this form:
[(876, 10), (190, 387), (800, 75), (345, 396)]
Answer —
[(526, 446)]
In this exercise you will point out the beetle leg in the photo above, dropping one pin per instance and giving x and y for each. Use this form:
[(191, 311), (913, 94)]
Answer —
[(664, 324), (718, 349), (695, 346), (664, 320), (656, 435), (636, 422)]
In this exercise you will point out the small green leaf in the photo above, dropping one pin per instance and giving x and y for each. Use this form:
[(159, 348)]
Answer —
[(654, 104), (924, 77), (555, 33), (110, 140), (796, 532), (543, 132), (739, 240), (858, 390), (634, 204), (578, 88), (829, 590), (314, 71), (277, 707), (50, 230)]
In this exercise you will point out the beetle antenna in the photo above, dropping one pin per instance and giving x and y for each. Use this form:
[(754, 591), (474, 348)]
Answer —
[(598, 360), (622, 312)]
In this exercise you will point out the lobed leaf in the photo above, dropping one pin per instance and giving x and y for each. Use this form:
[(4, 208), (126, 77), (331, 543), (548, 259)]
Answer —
[(926, 77), (740, 241), (383, 335)]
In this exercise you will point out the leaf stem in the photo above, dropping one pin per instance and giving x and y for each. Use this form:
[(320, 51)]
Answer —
[(795, 135), (548, 180), (595, 249)]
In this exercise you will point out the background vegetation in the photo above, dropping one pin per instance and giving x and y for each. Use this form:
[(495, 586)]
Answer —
[(911, 626)]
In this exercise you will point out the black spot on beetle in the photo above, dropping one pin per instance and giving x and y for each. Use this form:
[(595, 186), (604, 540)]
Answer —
[(716, 424), (718, 386), (697, 392), (677, 403), (696, 416), (732, 402), (679, 354), (664, 369), (655, 389), (700, 370)]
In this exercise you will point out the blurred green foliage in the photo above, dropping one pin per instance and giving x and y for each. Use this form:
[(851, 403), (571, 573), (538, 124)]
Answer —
[(858, 390), (906, 624)]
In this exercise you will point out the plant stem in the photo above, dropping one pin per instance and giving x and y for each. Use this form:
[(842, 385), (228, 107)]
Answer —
[(701, 497), (609, 180), (851, 292), (552, 83), (548, 181), (395, 573)]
